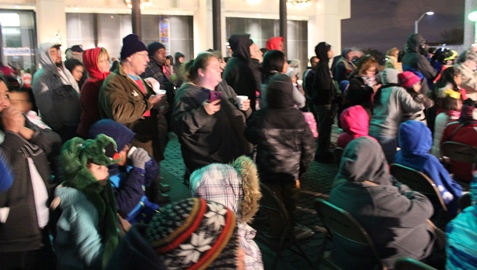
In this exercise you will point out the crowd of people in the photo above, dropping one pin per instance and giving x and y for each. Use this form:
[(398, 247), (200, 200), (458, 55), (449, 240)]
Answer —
[(82, 142)]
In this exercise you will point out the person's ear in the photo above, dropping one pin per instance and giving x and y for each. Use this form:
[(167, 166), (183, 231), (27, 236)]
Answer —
[(201, 72)]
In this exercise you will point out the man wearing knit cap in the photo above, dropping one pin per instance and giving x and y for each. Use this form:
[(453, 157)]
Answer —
[(126, 98), (155, 69)]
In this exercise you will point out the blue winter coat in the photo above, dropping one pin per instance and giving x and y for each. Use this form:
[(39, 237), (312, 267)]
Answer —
[(415, 140), (129, 184)]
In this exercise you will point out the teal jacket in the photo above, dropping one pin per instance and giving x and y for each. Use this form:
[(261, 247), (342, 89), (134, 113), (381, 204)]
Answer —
[(78, 242)]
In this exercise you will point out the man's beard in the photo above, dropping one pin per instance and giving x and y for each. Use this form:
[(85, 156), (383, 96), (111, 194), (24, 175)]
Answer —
[(59, 64)]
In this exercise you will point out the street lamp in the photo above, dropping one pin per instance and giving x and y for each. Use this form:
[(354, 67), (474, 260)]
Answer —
[(473, 18), (429, 13)]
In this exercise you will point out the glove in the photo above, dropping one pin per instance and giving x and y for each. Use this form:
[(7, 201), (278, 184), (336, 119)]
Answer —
[(139, 158)]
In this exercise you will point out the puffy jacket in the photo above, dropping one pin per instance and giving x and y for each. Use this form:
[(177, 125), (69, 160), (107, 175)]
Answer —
[(285, 144)]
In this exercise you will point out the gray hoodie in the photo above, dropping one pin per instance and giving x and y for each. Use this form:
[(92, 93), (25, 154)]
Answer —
[(394, 216), (56, 92)]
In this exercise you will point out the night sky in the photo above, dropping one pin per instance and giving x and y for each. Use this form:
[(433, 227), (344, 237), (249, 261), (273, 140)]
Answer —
[(383, 24)]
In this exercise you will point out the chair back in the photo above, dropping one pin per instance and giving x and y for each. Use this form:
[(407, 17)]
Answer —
[(411, 264), (341, 224), (337, 153), (459, 151), (270, 204), (417, 181)]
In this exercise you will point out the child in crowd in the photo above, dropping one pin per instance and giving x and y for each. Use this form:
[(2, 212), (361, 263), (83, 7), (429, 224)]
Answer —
[(451, 79), (355, 123), (391, 104), (133, 176), (412, 83), (462, 131), (394, 216), (451, 105), (202, 236), (86, 231), (285, 144), (237, 187), (415, 140)]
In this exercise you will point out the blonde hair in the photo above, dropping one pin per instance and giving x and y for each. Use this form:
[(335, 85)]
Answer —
[(102, 53)]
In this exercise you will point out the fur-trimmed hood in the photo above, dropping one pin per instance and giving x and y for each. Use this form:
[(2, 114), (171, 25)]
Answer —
[(235, 185)]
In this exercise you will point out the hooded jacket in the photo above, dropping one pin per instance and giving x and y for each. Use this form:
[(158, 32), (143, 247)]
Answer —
[(273, 43), (86, 231), (285, 144), (414, 60), (355, 123), (393, 215), (21, 231), (343, 67), (90, 92), (323, 90), (237, 187), (55, 92), (208, 138), (415, 140), (391, 103), (238, 72)]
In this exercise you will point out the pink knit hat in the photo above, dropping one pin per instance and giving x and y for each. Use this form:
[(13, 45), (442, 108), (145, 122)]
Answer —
[(407, 79)]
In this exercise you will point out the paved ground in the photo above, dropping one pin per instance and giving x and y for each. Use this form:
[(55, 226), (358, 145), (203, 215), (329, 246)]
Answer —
[(316, 183)]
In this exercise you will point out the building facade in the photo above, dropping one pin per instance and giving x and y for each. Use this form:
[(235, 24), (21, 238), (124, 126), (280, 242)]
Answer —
[(183, 25)]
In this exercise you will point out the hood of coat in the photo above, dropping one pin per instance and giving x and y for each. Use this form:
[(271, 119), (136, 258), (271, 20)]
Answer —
[(235, 186), (363, 159), (280, 92), (355, 121), (415, 138), (321, 51), (416, 43), (240, 45), (90, 62), (389, 76), (45, 59), (274, 43)]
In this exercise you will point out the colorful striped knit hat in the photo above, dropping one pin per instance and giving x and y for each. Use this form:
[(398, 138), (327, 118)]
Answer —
[(194, 234)]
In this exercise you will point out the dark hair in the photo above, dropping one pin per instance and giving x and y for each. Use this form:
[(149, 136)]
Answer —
[(29, 92), (450, 104), (193, 66), (171, 59), (447, 76), (4, 80), (272, 64), (313, 59), (72, 63), (217, 54)]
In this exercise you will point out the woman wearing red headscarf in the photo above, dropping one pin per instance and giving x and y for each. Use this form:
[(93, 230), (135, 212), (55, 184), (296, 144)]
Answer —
[(96, 62)]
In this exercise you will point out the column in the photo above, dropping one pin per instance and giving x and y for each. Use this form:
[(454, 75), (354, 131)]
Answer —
[(283, 23), (203, 27), (50, 21), (217, 24), (326, 24)]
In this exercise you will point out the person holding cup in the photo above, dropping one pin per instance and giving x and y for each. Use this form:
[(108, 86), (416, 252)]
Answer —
[(208, 117), (127, 99)]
